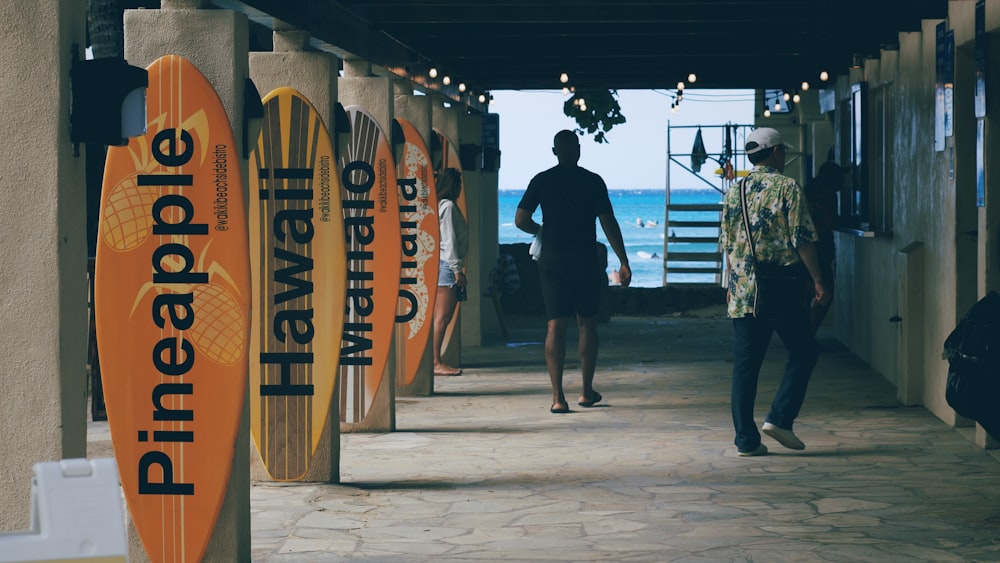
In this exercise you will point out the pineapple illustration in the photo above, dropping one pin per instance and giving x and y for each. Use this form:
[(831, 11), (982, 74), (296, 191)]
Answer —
[(127, 221)]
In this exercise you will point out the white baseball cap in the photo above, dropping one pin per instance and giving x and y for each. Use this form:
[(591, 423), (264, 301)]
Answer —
[(764, 138)]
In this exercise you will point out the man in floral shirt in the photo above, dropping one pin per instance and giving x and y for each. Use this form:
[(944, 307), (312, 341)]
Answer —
[(783, 233)]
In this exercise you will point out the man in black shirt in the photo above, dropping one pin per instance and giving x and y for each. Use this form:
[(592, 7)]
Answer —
[(572, 199)]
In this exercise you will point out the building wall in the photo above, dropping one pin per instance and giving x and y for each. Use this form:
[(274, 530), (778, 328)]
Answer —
[(932, 201), (43, 263)]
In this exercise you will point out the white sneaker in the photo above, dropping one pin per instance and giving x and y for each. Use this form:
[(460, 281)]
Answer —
[(761, 450), (784, 437)]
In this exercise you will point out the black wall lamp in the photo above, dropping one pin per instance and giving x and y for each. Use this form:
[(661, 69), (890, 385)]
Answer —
[(468, 154), (253, 116), (109, 101)]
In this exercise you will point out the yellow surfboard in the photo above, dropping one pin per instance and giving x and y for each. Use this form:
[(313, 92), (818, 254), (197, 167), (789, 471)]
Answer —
[(449, 159), (172, 299), (421, 236), (299, 267), (373, 241)]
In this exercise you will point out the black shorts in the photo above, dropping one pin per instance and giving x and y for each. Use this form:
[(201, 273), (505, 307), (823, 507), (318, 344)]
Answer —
[(571, 284)]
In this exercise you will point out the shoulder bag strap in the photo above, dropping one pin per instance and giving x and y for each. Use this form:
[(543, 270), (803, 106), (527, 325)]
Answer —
[(746, 217)]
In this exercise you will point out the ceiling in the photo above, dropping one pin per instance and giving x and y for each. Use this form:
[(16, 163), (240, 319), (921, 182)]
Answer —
[(617, 44)]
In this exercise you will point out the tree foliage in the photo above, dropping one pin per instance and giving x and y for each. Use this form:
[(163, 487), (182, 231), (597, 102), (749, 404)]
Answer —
[(595, 112)]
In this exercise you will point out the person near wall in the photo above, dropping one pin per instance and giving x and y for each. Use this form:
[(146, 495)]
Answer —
[(451, 286), (783, 233), (821, 193), (572, 199)]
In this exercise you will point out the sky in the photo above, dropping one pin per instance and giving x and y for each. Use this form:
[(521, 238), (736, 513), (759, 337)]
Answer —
[(636, 155)]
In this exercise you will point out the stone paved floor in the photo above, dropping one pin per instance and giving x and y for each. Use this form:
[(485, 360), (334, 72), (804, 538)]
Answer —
[(481, 471)]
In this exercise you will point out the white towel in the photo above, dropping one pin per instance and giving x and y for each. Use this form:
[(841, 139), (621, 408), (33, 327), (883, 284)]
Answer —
[(535, 250)]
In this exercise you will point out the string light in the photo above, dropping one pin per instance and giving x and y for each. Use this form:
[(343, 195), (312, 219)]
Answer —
[(564, 78), (824, 76), (777, 106), (446, 80), (461, 86), (787, 96), (805, 86), (767, 113), (433, 72), (692, 78), (796, 98), (680, 86), (565, 90), (482, 98)]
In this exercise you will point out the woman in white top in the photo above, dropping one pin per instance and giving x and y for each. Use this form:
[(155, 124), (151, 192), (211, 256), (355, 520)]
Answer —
[(451, 274)]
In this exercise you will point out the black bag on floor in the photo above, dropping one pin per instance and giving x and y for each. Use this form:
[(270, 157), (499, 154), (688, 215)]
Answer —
[(973, 354)]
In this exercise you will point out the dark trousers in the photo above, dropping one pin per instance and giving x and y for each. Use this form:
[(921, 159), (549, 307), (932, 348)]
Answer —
[(751, 337)]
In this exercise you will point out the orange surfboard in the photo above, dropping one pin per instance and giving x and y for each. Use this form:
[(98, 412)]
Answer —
[(449, 159), (299, 269), (373, 241), (418, 223), (172, 293)]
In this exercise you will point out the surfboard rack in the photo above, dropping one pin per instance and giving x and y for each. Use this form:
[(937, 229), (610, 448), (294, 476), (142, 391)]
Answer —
[(76, 515)]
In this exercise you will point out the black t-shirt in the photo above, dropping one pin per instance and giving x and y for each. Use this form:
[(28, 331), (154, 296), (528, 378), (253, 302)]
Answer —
[(571, 198)]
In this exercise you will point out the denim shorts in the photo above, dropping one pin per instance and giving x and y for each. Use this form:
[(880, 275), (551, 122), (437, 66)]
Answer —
[(446, 278)]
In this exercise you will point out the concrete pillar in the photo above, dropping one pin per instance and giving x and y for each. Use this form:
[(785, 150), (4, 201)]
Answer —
[(216, 41), (314, 75), (488, 233), (43, 265), (375, 94), (480, 259), (417, 110), (446, 121)]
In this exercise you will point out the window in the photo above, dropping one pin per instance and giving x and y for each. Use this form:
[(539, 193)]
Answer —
[(866, 199), (854, 198)]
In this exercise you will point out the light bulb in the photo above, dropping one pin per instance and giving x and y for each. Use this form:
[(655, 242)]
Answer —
[(482, 98), (446, 80), (692, 78), (777, 106), (565, 90), (787, 96), (564, 78), (433, 72), (805, 86), (796, 98), (583, 107), (767, 113), (680, 86), (461, 86), (824, 76)]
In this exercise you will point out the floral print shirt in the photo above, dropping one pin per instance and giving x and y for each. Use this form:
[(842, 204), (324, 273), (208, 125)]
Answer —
[(779, 220)]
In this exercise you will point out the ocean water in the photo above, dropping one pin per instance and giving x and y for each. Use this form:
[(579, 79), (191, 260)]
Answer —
[(641, 216)]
